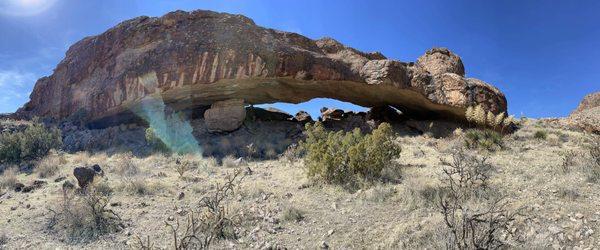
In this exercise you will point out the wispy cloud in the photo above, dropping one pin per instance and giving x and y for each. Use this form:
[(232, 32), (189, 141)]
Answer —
[(10, 78), (15, 87)]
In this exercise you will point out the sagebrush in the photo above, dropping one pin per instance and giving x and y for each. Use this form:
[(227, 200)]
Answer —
[(348, 158), (30, 144)]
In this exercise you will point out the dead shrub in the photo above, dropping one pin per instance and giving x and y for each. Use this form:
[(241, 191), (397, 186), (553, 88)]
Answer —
[(84, 216), (211, 220), (182, 166), (568, 161), (474, 219)]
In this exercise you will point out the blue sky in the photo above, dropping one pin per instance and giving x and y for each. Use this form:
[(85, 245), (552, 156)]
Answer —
[(544, 55)]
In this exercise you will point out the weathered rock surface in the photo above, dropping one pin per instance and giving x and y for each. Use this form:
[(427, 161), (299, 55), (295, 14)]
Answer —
[(587, 114), (193, 59), (331, 114), (225, 116), (302, 116)]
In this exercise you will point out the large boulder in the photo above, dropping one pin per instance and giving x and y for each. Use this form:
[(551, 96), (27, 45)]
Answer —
[(225, 116), (189, 60), (441, 60), (587, 114)]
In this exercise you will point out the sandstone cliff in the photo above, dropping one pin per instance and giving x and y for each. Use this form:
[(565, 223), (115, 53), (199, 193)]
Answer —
[(192, 59)]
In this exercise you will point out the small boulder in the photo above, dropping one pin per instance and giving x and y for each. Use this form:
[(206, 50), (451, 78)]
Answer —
[(86, 175)]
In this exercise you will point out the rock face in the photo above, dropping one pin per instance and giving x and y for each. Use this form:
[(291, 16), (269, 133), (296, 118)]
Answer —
[(193, 59), (587, 114), (225, 116)]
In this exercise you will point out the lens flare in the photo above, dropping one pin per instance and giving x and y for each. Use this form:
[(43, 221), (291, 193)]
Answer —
[(24, 7), (173, 129)]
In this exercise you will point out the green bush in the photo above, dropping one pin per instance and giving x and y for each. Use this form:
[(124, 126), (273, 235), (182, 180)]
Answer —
[(540, 135), (154, 141), (32, 143), (348, 157), (484, 139)]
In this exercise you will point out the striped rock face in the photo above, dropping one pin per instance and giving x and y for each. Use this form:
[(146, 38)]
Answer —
[(189, 60)]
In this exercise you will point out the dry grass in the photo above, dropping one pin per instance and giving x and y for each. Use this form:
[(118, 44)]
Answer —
[(50, 165), (9, 178), (231, 162)]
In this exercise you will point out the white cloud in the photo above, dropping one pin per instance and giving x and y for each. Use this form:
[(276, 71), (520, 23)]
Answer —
[(9, 78), (14, 89)]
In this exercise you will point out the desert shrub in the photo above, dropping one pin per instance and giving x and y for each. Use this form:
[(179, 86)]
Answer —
[(32, 143), (211, 221), (568, 161), (567, 193), (84, 215), (125, 167), (292, 214), (347, 158), (483, 139), (154, 141), (594, 169), (182, 166), (540, 135), (3, 240), (139, 186), (379, 193), (473, 218)]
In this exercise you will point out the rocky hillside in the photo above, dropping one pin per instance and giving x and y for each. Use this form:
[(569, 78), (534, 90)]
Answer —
[(587, 114), (187, 60)]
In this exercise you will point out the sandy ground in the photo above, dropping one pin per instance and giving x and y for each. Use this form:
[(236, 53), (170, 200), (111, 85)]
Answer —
[(561, 207)]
